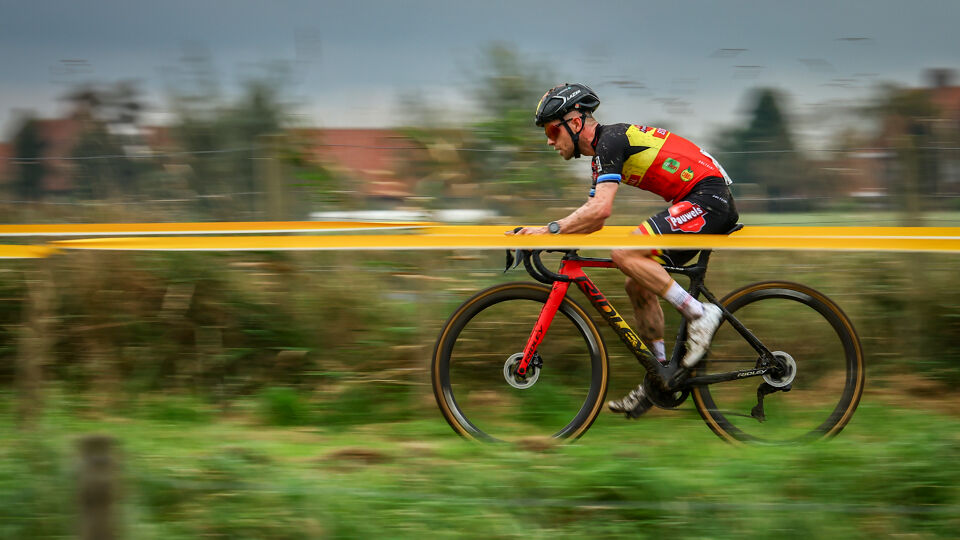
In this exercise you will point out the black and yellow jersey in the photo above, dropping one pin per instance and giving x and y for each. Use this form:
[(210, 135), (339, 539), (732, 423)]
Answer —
[(652, 159)]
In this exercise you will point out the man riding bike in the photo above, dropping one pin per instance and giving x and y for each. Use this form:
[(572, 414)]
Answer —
[(662, 163)]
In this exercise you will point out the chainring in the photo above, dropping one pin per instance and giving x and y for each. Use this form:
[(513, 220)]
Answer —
[(665, 399)]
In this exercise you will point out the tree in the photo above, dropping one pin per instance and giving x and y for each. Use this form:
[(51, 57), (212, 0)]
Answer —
[(259, 113), (28, 147), (110, 117), (908, 125), (225, 142), (763, 153), (503, 158)]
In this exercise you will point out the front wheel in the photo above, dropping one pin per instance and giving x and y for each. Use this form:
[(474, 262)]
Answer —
[(475, 380), (820, 374)]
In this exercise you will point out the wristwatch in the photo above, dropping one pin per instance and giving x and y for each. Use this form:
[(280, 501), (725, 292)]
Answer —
[(553, 227)]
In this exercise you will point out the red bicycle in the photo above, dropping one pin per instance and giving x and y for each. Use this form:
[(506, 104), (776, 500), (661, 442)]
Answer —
[(785, 366)]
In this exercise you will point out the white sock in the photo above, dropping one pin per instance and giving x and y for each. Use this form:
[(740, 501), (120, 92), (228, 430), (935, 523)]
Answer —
[(659, 350), (687, 305)]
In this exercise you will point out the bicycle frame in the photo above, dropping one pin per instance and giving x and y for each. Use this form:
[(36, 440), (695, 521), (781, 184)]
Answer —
[(671, 375)]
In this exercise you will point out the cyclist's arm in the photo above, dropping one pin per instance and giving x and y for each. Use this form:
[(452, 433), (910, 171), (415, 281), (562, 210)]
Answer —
[(589, 217)]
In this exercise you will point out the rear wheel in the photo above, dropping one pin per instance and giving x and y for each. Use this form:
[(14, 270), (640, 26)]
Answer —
[(474, 368), (820, 372)]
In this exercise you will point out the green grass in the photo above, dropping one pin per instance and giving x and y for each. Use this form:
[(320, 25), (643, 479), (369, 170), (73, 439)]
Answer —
[(892, 471), (346, 442)]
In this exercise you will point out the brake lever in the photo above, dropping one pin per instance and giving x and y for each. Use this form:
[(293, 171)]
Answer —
[(514, 256)]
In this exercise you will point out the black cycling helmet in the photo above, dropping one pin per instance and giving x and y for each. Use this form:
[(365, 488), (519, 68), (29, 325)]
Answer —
[(564, 98)]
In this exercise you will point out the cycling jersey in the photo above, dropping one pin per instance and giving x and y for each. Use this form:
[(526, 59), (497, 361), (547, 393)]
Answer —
[(652, 159), (707, 209)]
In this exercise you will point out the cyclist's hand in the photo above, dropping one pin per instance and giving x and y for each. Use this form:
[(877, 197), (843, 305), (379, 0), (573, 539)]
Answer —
[(529, 230)]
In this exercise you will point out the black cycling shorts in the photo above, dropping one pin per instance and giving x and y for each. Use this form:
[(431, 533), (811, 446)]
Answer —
[(707, 209)]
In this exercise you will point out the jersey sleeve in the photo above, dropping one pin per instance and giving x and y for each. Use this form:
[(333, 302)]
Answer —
[(607, 164)]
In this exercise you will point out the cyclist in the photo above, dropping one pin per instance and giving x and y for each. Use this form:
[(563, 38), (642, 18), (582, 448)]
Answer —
[(662, 163)]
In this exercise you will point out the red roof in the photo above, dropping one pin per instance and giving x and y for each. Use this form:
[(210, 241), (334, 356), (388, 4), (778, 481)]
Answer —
[(375, 157)]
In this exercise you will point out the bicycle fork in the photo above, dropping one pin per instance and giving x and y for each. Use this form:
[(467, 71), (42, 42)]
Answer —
[(547, 314)]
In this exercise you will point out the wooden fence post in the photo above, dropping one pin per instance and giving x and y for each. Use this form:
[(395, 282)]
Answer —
[(98, 488), (33, 347)]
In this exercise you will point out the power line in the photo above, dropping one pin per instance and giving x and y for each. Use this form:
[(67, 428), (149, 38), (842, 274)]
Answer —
[(132, 203), (27, 161), (151, 155)]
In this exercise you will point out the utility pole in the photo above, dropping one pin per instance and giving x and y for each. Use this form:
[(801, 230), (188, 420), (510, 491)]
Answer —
[(270, 167)]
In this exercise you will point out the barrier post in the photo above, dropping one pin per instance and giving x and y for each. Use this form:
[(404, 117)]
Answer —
[(33, 348), (97, 488)]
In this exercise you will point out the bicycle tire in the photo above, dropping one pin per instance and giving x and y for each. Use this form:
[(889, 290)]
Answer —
[(786, 317), (474, 345)]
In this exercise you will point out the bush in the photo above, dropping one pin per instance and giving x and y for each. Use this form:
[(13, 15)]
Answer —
[(281, 406)]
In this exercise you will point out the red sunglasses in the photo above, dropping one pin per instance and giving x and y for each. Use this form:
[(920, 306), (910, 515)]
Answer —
[(553, 130)]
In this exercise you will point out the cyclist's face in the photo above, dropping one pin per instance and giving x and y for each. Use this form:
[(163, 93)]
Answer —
[(557, 135)]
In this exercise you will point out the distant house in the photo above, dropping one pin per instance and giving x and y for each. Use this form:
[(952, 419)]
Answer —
[(942, 134), (60, 136), (945, 95), (383, 168), (875, 171), (382, 161)]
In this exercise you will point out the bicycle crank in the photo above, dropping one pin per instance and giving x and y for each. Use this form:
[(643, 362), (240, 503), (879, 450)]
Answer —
[(526, 380), (665, 399)]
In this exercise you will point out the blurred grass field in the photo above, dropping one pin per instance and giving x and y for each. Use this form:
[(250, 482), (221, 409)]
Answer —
[(285, 395), (192, 472)]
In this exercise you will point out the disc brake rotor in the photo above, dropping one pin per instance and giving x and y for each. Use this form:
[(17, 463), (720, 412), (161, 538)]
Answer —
[(789, 371), (516, 380)]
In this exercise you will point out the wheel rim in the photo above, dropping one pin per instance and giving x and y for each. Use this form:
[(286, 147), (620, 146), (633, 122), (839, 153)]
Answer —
[(825, 385), (473, 391)]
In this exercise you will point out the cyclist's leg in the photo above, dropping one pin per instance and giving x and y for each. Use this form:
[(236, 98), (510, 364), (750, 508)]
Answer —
[(646, 279), (649, 316), (708, 209)]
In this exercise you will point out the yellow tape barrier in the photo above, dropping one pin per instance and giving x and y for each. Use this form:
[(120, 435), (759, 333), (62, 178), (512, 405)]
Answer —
[(748, 231), (235, 227), (25, 252), (763, 238), (433, 236)]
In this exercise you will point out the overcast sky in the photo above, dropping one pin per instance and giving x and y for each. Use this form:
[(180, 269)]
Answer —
[(688, 63)]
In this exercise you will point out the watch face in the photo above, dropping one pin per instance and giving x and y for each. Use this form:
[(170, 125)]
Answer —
[(553, 227)]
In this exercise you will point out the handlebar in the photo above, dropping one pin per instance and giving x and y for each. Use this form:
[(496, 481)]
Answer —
[(534, 266), (536, 269)]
